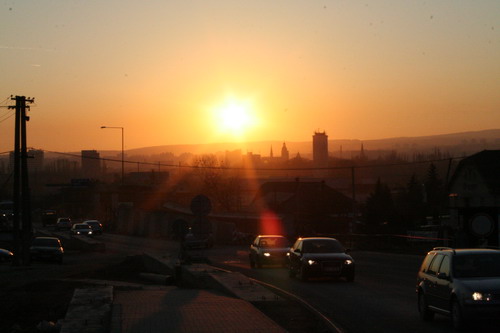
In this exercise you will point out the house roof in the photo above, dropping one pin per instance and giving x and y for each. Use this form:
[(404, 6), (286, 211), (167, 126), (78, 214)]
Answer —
[(487, 163), (288, 196)]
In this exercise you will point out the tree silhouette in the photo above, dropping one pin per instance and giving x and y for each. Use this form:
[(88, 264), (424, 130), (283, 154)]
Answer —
[(379, 210), (435, 193), (411, 204)]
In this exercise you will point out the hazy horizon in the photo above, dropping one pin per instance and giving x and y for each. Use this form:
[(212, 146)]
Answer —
[(349, 144)]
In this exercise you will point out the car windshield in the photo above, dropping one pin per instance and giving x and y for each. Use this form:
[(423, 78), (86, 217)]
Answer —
[(46, 242), (477, 265), (322, 246), (82, 226), (93, 224), (274, 242)]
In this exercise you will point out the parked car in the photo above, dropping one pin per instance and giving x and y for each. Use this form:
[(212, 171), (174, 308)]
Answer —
[(461, 283), (63, 223), (269, 249), (6, 255), (48, 248), (320, 257), (81, 229), (95, 225)]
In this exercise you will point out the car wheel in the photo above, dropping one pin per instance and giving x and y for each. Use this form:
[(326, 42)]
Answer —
[(302, 274), (423, 309), (457, 317)]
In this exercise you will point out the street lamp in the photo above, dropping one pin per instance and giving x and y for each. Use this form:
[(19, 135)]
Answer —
[(123, 154)]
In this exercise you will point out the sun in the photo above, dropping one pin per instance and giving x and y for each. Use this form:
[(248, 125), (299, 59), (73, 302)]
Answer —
[(234, 117)]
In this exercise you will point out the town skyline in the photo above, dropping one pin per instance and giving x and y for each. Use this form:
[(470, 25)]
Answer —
[(490, 138)]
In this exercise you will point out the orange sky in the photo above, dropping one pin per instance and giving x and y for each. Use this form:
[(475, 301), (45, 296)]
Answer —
[(165, 70)]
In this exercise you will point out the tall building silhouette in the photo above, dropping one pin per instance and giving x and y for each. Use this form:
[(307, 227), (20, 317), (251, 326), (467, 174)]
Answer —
[(285, 156), (320, 149)]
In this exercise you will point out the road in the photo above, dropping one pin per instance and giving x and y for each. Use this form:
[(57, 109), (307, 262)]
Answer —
[(381, 299)]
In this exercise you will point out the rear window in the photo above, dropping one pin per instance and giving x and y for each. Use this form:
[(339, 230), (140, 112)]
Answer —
[(46, 242), (433, 269), (427, 262), (445, 266)]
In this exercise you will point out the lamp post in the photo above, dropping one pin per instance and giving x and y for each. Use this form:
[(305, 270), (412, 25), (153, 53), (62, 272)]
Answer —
[(123, 153)]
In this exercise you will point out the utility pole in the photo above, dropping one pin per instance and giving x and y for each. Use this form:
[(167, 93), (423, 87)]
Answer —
[(22, 226), (354, 205)]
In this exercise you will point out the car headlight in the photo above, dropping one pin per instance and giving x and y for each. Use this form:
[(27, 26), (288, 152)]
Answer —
[(90, 232), (477, 296), (78, 232), (267, 254), (348, 262), (311, 262)]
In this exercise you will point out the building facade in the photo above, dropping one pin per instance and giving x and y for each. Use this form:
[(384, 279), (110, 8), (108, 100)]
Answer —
[(474, 196), (91, 164)]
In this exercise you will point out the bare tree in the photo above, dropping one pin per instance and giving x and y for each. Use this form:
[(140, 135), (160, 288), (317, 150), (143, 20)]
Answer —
[(217, 183)]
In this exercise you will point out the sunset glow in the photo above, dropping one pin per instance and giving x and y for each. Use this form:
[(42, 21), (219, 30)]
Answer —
[(203, 72), (235, 117)]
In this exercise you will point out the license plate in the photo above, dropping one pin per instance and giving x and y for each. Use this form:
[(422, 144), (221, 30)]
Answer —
[(332, 269)]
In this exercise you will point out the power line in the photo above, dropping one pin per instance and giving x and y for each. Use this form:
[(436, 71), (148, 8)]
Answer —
[(262, 169), (7, 116)]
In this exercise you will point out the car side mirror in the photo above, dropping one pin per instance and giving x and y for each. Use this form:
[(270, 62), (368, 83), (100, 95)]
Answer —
[(347, 251), (297, 251), (443, 276)]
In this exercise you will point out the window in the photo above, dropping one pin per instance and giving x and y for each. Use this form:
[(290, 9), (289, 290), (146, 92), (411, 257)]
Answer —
[(427, 262), (433, 269), (298, 245), (445, 266)]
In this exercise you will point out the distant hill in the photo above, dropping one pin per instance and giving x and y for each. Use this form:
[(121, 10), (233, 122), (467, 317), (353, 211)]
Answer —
[(455, 143)]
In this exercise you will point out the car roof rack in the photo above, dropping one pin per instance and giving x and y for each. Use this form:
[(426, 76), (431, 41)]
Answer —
[(443, 248)]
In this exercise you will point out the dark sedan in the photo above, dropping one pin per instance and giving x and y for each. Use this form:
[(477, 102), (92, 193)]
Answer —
[(320, 257), (48, 248)]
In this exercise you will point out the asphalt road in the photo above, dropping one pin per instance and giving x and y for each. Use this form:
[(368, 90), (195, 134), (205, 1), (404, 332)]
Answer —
[(382, 298)]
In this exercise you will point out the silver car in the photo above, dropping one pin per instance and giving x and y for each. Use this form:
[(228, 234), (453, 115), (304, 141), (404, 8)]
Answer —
[(81, 229), (269, 249)]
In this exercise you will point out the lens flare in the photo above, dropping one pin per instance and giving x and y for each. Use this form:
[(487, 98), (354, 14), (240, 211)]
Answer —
[(271, 224)]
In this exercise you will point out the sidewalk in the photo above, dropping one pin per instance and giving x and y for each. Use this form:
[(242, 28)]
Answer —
[(219, 301), (171, 309)]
